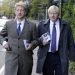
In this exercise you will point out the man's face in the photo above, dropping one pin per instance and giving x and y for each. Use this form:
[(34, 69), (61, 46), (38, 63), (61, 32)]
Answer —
[(53, 15), (20, 12)]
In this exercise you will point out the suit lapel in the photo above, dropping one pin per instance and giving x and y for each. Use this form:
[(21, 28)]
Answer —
[(14, 27), (47, 25)]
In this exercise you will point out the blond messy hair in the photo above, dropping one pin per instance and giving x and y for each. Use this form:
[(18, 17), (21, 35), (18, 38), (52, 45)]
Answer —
[(21, 3), (53, 8)]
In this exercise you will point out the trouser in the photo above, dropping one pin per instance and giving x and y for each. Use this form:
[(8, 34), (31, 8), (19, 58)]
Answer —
[(52, 65), (18, 64), (25, 64)]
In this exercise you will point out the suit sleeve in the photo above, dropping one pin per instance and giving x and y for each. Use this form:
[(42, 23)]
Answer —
[(34, 36), (3, 33)]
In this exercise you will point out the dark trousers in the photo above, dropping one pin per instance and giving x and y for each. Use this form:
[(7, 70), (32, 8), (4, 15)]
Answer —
[(52, 65)]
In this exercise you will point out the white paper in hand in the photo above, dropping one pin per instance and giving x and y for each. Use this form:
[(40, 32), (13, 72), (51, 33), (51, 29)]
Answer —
[(26, 43), (45, 38)]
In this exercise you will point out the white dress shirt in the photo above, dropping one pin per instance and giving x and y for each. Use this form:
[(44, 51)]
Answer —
[(22, 24), (57, 33)]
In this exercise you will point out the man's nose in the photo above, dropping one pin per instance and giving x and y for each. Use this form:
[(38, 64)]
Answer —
[(19, 11)]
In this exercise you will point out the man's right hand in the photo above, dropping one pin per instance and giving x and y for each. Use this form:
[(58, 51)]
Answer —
[(44, 42), (45, 38)]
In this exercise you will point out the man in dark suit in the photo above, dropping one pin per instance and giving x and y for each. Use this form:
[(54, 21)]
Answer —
[(55, 46), (19, 35)]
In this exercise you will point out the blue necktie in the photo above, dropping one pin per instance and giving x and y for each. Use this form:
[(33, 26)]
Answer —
[(53, 43), (19, 29)]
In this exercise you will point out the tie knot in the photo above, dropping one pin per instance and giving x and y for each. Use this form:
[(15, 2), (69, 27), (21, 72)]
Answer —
[(54, 23), (19, 24)]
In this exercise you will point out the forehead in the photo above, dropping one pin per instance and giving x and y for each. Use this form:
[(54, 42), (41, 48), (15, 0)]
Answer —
[(20, 7), (53, 12)]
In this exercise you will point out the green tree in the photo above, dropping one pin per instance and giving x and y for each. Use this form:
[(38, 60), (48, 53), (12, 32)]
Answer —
[(7, 8), (68, 12), (38, 8)]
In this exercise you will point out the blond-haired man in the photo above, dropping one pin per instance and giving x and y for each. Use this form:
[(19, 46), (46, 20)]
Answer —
[(56, 44), (19, 43)]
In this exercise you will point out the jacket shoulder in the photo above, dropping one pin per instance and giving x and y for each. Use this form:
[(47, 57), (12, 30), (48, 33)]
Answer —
[(41, 23), (65, 22), (10, 21)]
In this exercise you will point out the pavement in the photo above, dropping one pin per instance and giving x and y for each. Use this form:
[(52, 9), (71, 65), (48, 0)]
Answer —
[(2, 60), (34, 62)]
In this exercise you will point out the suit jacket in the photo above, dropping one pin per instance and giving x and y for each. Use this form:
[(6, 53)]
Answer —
[(66, 45), (16, 44), (17, 48)]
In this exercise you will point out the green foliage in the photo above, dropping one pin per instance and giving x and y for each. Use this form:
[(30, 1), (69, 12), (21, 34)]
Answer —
[(72, 66), (68, 12), (38, 9), (7, 8)]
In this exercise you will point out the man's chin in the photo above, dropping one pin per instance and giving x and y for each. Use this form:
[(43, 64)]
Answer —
[(20, 17)]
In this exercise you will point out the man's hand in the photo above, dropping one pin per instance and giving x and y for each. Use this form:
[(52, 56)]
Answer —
[(27, 44), (44, 42), (5, 45), (28, 47), (45, 38)]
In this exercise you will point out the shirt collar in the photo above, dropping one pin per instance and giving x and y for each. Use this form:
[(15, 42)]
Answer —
[(51, 22), (23, 21)]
